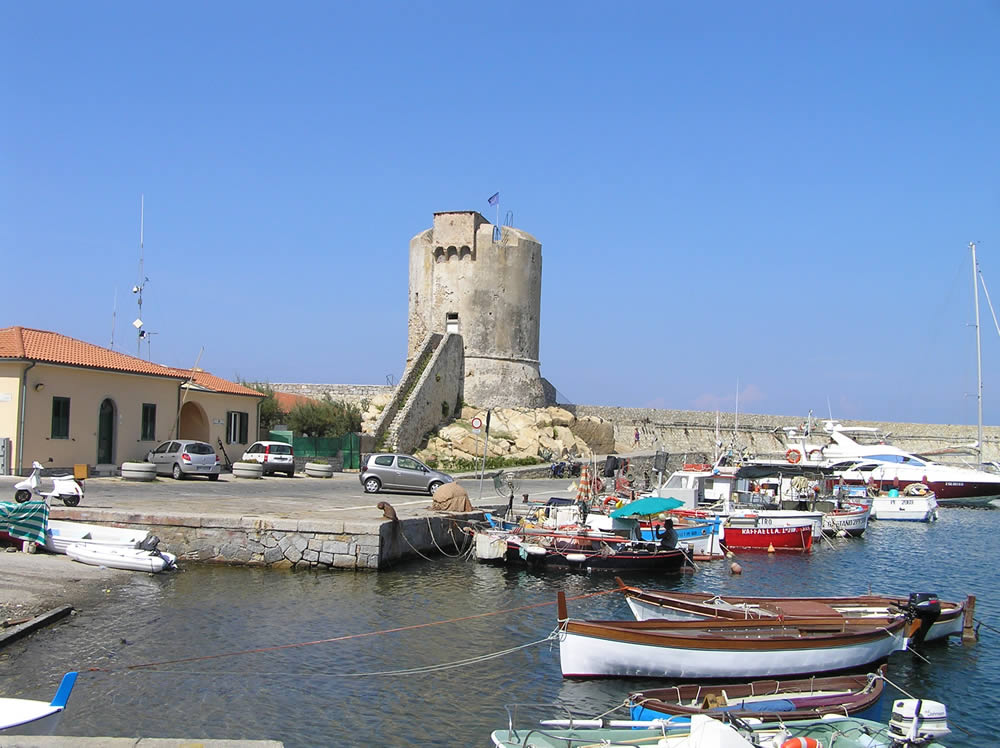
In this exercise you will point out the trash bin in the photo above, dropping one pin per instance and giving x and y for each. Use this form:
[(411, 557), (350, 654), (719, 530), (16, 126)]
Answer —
[(80, 472)]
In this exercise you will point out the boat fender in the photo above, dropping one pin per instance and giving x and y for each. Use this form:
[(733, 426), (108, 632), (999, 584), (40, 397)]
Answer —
[(793, 456), (802, 743)]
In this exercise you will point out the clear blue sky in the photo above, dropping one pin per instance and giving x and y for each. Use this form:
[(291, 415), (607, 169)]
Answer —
[(778, 195)]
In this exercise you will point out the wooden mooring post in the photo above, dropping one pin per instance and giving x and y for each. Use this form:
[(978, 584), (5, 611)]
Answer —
[(968, 629)]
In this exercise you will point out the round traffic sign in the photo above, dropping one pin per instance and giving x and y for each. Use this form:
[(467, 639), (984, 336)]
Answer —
[(477, 423)]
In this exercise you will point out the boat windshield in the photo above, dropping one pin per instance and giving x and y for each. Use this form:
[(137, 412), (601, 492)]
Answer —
[(901, 459)]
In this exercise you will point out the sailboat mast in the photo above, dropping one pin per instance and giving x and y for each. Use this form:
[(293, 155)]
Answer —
[(979, 356)]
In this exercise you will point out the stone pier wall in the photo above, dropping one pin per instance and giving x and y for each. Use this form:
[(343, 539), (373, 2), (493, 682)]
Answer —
[(293, 544), (693, 432)]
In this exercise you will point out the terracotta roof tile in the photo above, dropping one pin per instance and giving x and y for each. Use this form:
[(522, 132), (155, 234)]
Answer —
[(209, 381), (286, 400), (51, 347)]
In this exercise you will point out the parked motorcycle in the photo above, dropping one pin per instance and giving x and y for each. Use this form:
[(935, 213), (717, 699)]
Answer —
[(568, 468), (66, 488)]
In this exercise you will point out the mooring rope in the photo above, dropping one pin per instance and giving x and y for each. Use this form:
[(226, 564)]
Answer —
[(405, 671), (347, 637)]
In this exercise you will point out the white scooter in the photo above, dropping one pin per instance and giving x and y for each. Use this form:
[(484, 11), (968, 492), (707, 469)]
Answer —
[(64, 487)]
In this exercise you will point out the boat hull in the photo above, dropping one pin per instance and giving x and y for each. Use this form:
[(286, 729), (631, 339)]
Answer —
[(904, 508), (766, 538), (769, 700), (681, 606), (130, 559), (591, 650), (60, 534)]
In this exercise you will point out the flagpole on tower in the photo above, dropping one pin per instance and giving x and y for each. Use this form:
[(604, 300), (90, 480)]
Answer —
[(495, 200)]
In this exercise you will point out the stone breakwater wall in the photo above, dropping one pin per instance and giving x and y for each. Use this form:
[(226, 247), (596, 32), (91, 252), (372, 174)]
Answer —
[(289, 543), (352, 394), (693, 432)]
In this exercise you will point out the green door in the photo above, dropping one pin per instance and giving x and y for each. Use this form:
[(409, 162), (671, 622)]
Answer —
[(106, 433)]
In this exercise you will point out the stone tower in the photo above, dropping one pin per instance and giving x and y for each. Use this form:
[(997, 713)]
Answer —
[(489, 292)]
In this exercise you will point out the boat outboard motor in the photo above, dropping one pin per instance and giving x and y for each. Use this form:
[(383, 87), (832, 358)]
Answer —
[(915, 722), (925, 607), (149, 543)]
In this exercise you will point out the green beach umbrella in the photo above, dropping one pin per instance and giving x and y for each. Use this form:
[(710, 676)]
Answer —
[(646, 506)]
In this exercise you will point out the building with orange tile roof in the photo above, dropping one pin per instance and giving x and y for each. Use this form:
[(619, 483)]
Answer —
[(65, 402)]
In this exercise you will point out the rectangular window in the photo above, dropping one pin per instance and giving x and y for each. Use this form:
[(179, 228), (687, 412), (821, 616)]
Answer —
[(148, 422), (239, 423), (60, 418)]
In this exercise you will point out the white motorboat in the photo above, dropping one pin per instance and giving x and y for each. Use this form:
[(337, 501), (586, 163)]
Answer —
[(887, 466), (117, 557), (14, 712), (60, 534), (905, 507)]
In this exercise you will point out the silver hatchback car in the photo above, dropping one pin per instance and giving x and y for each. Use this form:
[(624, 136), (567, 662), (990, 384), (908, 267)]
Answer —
[(183, 457), (399, 473)]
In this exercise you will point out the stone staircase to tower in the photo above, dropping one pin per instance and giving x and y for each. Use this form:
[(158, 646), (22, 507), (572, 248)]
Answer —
[(429, 393), (387, 427)]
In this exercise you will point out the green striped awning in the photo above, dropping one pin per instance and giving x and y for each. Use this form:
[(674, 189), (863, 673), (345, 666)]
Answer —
[(25, 521)]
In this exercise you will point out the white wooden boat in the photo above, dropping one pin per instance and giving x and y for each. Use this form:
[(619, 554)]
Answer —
[(905, 508), (647, 604), (14, 712), (117, 557), (60, 534), (723, 648), (848, 519)]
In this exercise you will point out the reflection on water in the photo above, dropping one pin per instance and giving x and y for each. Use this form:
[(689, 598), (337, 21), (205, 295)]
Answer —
[(348, 689)]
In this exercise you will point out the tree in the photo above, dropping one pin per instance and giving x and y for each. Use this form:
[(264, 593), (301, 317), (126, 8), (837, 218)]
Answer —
[(270, 412), (318, 418)]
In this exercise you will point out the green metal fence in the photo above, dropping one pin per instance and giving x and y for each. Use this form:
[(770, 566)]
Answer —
[(348, 446)]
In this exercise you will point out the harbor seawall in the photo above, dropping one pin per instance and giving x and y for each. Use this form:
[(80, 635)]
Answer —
[(289, 543)]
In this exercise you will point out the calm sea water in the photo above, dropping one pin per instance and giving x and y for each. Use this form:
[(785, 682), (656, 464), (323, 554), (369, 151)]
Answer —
[(349, 692)]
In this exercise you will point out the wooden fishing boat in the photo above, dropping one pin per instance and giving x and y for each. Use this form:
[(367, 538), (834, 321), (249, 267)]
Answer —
[(60, 534), (767, 700), (724, 648), (741, 535), (848, 519), (581, 549), (14, 712), (685, 606), (700, 731), (117, 557)]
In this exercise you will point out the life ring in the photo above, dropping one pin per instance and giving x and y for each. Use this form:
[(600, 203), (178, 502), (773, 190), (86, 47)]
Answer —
[(815, 454), (793, 456), (801, 743)]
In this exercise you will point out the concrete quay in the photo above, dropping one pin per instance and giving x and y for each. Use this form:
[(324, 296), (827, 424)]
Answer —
[(54, 741), (281, 522)]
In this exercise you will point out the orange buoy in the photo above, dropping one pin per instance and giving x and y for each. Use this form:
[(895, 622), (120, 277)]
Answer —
[(802, 743), (770, 548)]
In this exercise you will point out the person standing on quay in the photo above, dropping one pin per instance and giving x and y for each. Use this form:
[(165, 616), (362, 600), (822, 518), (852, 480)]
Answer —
[(637, 438)]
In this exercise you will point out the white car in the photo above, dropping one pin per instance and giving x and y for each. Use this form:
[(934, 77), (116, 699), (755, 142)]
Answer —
[(276, 457)]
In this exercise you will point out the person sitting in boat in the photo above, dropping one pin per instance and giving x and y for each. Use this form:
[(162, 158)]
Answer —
[(667, 534)]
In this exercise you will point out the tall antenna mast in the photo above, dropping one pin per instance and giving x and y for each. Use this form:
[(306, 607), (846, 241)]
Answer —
[(138, 287), (979, 357), (114, 315)]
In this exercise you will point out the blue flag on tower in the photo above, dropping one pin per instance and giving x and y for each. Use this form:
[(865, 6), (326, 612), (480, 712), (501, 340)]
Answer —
[(494, 198)]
